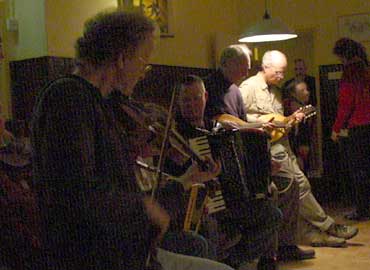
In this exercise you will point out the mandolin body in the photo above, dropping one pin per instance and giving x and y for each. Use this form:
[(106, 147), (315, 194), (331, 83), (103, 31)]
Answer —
[(275, 134), (282, 122)]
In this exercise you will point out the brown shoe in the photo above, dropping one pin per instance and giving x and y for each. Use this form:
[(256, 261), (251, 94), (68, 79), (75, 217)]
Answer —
[(342, 231), (322, 239)]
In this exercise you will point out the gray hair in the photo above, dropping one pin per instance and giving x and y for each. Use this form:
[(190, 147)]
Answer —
[(233, 52), (269, 58), (107, 34)]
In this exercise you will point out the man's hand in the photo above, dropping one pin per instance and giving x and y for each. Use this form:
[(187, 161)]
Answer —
[(298, 115), (157, 215), (334, 136), (269, 126), (195, 175), (230, 125), (275, 167)]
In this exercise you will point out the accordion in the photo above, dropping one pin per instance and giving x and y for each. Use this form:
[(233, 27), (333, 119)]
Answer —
[(246, 166)]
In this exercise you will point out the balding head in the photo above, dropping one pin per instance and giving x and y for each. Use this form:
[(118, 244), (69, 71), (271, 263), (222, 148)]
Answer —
[(272, 58), (235, 61), (274, 64)]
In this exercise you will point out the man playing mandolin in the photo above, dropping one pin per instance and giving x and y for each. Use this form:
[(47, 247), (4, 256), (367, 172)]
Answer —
[(225, 103), (261, 97)]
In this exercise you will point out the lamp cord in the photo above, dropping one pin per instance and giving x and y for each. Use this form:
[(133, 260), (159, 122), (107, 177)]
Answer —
[(266, 15)]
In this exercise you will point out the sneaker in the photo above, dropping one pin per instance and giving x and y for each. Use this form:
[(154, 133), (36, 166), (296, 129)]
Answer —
[(294, 253), (342, 231), (318, 238)]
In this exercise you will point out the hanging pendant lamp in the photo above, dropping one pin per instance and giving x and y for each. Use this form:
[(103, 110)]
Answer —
[(267, 30)]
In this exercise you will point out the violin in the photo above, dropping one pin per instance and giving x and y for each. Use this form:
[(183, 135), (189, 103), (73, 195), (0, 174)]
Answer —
[(150, 117)]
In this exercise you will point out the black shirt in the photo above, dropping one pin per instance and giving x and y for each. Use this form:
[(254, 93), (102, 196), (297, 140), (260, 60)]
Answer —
[(92, 215), (223, 97)]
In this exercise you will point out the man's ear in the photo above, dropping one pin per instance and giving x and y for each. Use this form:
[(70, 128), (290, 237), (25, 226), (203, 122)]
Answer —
[(206, 95)]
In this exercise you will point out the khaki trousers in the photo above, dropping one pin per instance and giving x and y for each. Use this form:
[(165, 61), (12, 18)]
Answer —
[(309, 208)]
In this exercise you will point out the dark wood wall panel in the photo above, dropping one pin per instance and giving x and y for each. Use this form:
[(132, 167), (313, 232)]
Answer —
[(336, 172), (158, 83), (329, 100), (29, 76)]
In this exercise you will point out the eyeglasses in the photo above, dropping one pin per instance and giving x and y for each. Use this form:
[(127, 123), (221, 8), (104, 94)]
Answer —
[(279, 73)]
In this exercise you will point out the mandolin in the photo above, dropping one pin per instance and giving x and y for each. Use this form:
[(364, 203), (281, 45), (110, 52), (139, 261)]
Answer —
[(282, 123)]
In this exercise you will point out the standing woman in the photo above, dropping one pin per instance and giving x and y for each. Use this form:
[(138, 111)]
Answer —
[(354, 113)]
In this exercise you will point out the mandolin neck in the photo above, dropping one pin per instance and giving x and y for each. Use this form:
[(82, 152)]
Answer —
[(290, 119)]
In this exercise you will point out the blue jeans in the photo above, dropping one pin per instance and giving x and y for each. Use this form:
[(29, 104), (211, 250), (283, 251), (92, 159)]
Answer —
[(172, 261)]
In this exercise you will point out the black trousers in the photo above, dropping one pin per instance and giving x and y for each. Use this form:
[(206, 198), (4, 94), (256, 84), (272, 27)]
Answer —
[(359, 166), (258, 222)]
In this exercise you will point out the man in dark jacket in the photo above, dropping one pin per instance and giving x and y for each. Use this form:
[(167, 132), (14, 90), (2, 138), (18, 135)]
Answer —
[(92, 215)]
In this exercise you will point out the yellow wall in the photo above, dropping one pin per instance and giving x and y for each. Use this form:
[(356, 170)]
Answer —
[(192, 22), (30, 39), (195, 24), (4, 70), (201, 27), (318, 16), (64, 22)]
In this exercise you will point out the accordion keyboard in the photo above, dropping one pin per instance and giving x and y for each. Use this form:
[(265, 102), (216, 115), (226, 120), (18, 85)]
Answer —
[(215, 201)]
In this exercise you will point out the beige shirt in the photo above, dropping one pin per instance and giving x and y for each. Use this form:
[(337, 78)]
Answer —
[(259, 98)]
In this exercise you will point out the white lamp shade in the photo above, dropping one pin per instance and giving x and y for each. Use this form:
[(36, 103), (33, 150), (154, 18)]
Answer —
[(267, 30)]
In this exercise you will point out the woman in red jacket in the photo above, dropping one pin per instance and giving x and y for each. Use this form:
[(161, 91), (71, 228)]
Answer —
[(354, 113)]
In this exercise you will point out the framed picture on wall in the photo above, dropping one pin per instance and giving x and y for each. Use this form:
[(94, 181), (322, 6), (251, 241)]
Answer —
[(157, 10), (355, 26)]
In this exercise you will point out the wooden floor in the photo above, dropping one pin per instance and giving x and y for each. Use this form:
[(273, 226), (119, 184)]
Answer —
[(355, 256)]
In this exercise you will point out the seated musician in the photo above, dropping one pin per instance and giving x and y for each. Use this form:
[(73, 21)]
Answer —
[(143, 145), (224, 96), (258, 220)]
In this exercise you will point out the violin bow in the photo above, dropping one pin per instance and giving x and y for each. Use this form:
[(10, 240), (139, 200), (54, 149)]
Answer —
[(163, 153)]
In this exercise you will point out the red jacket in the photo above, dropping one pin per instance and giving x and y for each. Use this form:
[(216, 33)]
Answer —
[(354, 98)]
